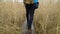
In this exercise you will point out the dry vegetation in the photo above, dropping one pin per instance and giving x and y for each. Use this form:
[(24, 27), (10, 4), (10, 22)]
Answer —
[(46, 18), (12, 16)]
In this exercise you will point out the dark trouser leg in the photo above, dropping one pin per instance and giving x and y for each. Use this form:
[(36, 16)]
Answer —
[(27, 15), (31, 15), (27, 12)]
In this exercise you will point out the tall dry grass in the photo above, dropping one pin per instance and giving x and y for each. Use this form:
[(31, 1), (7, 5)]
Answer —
[(12, 16), (46, 18)]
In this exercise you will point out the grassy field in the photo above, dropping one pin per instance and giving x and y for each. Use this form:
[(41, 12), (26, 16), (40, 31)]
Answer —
[(46, 18), (12, 16)]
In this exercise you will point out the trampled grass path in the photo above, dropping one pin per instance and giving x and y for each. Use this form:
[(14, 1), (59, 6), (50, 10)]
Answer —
[(24, 28)]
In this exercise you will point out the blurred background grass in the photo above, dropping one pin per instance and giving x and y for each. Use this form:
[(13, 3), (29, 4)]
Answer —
[(46, 17)]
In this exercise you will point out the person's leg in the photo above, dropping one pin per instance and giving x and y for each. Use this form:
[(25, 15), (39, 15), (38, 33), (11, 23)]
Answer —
[(27, 12), (31, 13), (27, 15)]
